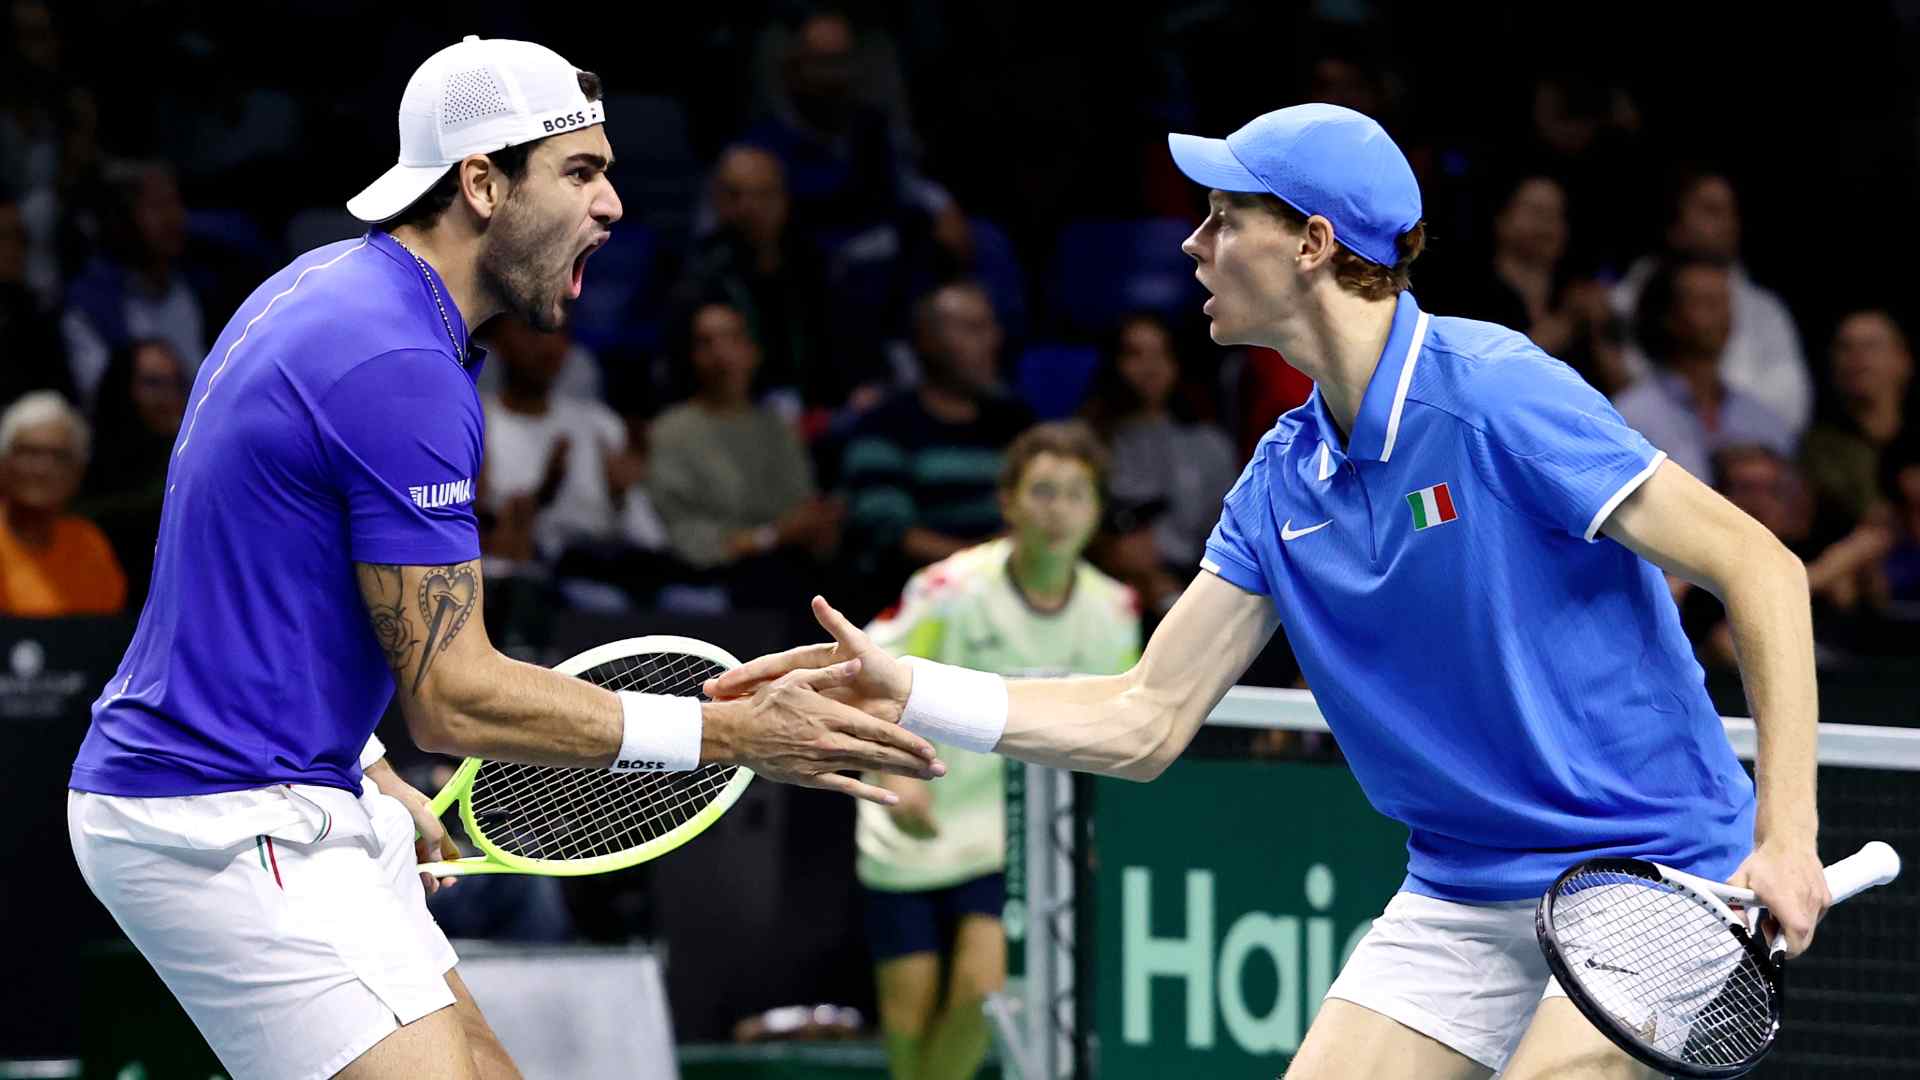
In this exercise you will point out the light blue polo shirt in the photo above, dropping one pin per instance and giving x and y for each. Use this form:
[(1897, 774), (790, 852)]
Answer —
[(335, 422), (1511, 686)]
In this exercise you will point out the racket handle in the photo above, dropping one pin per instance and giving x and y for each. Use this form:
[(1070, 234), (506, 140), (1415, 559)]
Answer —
[(1874, 864)]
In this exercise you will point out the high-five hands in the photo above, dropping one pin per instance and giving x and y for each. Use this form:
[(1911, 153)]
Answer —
[(877, 686), (799, 728)]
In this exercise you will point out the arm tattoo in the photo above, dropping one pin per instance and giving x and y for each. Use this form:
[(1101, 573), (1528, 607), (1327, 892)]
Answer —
[(447, 596), (381, 586)]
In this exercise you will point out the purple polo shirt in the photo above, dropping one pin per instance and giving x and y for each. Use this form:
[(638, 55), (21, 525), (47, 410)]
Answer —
[(335, 422)]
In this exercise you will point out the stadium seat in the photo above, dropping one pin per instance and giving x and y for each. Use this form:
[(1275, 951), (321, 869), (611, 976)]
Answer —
[(1053, 379), (997, 266), (1104, 269)]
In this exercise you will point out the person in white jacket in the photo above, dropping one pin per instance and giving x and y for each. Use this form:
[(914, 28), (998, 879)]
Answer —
[(1763, 358)]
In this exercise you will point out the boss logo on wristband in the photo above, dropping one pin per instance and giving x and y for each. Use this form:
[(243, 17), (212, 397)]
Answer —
[(662, 733)]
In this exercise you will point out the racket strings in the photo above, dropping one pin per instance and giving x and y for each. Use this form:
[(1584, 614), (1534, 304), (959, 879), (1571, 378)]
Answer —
[(1665, 967), (560, 814)]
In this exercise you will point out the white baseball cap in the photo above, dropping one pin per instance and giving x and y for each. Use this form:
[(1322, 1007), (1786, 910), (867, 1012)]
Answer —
[(474, 98)]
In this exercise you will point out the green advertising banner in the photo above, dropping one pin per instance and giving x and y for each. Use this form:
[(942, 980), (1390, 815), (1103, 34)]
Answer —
[(1229, 894)]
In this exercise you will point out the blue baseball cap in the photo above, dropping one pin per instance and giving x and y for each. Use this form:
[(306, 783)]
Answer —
[(1318, 159)]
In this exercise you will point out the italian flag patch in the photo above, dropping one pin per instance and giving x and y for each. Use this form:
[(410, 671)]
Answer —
[(1431, 506)]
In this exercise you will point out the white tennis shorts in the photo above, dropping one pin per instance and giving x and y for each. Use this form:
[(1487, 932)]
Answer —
[(289, 921), (1468, 976)]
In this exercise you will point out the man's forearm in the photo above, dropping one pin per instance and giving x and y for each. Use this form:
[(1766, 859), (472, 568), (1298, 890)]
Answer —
[(1772, 623), (514, 711), (532, 714), (1102, 724)]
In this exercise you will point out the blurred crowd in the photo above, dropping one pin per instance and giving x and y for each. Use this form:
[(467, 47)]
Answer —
[(801, 362), (798, 365)]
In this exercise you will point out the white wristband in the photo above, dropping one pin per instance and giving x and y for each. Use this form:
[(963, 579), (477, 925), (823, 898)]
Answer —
[(372, 752), (956, 706), (662, 733)]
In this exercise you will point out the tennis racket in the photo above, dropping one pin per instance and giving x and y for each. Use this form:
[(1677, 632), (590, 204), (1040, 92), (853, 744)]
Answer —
[(1670, 966), (561, 822)]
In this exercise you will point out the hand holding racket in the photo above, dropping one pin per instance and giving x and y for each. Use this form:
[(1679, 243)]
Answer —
[(1667, 966)]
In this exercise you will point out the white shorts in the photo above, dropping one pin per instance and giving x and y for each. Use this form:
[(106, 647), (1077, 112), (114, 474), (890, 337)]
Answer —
[(1468, 976), (289, 921)]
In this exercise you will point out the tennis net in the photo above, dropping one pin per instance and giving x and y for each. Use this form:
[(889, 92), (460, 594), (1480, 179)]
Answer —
[(1853, 1001)]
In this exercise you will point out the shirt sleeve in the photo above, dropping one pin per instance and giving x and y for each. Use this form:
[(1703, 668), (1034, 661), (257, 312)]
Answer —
[(1233, 549), (402, 437), (1552, 448)]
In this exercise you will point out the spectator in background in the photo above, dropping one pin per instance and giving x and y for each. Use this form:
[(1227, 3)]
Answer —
[(32, 356), (52, 563), (134, 288), (1163, 456), (142, 401), (731, 480), (887, 232), (756, 262), (49, 142), (1762, 358), (1870, 377), (921, 469), (559, 471), (1900, 473), (1584, 132), (933, 865), (1529, 286), (848, 162), (579, 376), (1685, 405), (1844, 572)]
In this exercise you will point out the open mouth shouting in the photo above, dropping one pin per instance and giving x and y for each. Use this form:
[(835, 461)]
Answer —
[(580, 265)]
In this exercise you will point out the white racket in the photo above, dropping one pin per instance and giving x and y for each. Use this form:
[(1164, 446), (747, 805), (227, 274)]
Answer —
[(1670, 966)]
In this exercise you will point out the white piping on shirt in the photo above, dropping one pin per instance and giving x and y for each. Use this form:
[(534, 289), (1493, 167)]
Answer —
[(1626, 489), (228, 358), (1406, 381)]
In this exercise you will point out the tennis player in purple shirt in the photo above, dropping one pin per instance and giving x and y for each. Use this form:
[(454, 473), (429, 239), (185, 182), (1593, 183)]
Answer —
[(318, 548)]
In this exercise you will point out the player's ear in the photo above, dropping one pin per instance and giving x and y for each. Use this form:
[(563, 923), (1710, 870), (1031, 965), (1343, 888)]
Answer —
[(482, 186), (1316, 242)]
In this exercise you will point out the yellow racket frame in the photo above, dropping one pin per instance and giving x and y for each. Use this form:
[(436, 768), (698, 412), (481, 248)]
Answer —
[(493, 860)]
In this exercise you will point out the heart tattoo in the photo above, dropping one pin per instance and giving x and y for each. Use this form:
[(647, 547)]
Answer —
[(447, 596)]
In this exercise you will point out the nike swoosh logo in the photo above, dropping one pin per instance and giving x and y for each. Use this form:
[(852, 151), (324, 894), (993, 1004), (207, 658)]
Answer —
[(1287, 531)]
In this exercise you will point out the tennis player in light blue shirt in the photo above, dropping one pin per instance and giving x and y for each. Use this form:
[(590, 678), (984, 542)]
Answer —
[(1465, 543)]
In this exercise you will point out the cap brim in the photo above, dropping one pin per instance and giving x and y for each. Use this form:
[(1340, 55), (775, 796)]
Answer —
[(394, 191), (1209, 163)]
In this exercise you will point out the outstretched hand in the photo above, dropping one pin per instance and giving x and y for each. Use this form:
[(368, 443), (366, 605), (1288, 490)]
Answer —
[(878, 688), (795, 731)]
